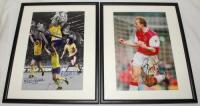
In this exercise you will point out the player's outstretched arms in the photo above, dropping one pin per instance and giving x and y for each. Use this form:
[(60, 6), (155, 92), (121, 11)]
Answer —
[(53, 47), (121, 41), (64, 51), (31, 38), (45, 48), (127, 43), (62, 54)]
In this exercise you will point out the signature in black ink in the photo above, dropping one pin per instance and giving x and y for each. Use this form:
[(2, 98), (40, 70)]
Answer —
[(33, 80), (69, 73)]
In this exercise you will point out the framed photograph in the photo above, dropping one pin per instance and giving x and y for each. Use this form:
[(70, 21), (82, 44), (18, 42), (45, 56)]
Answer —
[(144, 56), (53, 57)]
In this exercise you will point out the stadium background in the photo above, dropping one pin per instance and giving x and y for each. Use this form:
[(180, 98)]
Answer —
[(75, 30), (76, 23), (124, 28)]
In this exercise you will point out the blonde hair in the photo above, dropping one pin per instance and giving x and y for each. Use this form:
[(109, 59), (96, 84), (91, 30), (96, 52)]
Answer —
[(141, 20)]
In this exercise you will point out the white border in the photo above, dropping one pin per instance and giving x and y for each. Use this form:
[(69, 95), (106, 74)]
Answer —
[(110, 90), (88, 92)]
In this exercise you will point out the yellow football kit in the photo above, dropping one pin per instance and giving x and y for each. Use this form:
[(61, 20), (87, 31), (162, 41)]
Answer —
[(55, 60), (37, 48), (55, 31), (70, 48), (37, 51)]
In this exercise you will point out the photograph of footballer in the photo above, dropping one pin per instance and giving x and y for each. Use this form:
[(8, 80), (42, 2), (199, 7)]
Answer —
[(150, 62), (54, 58), (55, 46), (144, 54)]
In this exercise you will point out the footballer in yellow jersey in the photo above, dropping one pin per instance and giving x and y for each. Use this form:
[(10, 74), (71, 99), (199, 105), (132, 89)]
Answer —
[(70, 47), (37, 58), (55, 62), (55, 28), (56, 34), (55, 31), (37, 48)]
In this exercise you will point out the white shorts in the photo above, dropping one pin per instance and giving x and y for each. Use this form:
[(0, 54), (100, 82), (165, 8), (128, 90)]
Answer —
[(145, 61), (139, 59)]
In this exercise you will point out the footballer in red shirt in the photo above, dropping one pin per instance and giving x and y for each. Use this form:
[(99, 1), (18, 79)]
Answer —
[(146, 44)]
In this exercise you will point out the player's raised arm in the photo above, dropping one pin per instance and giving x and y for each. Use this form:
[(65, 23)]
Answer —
[(63, 23), (47, 50), (64, 51), (52, 45), (128, 43), (57, 15), (63, 18), (44, 38), (31, 38)]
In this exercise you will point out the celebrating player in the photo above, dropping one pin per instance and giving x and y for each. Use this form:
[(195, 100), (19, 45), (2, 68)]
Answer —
[(37, 58), (55, 28), (70, 47), (146, 44), (57, 78)]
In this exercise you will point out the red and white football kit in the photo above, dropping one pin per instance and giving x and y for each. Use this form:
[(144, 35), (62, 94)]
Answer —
[(151, 39)]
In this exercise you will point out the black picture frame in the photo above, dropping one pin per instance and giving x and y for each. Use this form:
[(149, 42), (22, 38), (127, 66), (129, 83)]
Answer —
[(94, 100), (103, 58)]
